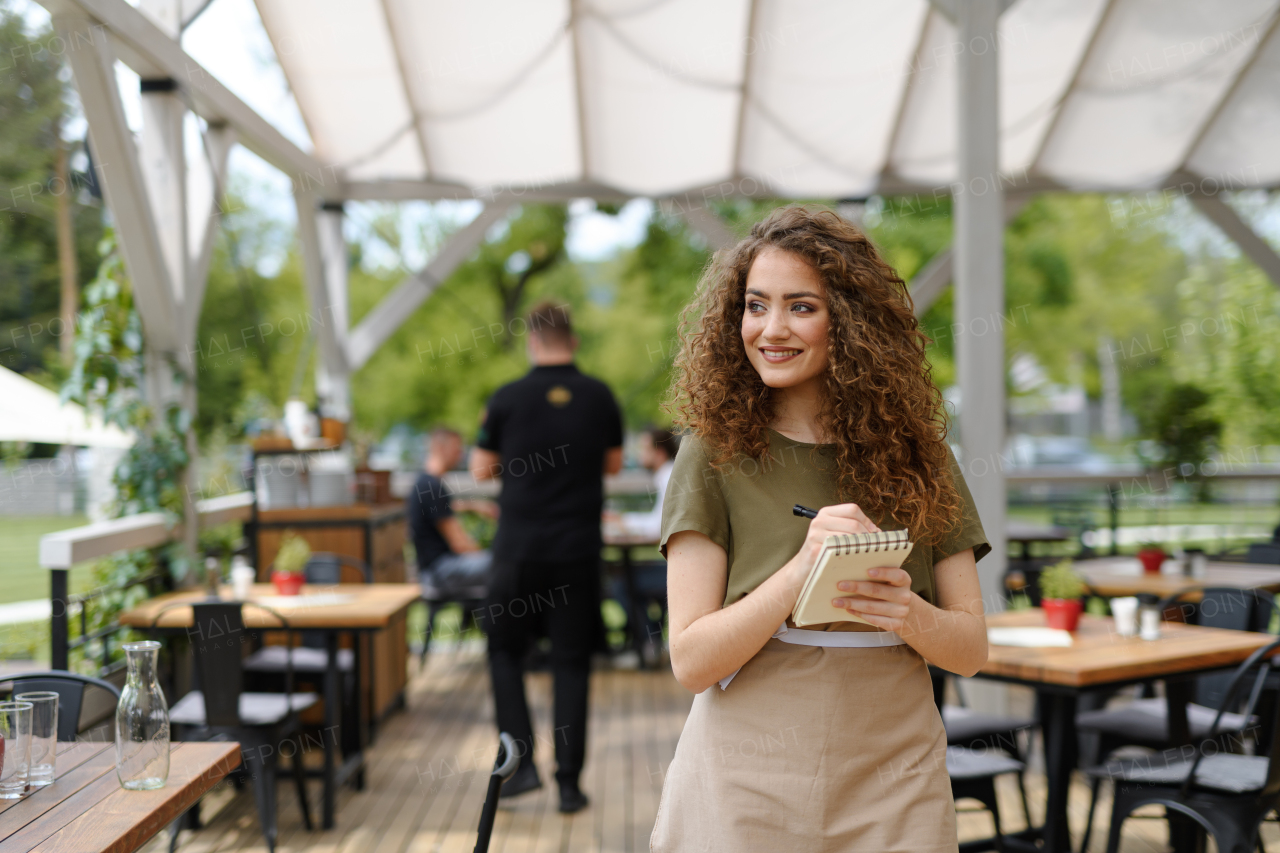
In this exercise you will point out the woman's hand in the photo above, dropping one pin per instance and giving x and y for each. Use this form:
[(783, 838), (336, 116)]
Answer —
[(885, 601), (830, 521)]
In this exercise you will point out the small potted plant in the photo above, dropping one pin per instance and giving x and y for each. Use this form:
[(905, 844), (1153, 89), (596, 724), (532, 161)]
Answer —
[(291, 560), (1152, 557), (1060, 591)]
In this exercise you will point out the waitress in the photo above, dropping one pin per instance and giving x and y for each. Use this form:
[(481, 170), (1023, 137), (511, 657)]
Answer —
[(802, 378)]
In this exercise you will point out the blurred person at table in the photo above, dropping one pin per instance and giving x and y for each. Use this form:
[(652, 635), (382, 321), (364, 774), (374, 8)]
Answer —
[(657, 454), (449, 559), (551, 437)]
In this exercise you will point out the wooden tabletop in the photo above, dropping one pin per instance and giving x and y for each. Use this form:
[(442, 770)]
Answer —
[(372, 605), (1113, 576), (85, 810), (1100, 656)]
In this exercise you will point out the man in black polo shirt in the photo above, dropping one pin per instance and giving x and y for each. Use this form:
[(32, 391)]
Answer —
[(550, 436)]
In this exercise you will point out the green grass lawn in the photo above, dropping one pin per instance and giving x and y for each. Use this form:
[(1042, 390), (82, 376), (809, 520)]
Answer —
[(23, 579)]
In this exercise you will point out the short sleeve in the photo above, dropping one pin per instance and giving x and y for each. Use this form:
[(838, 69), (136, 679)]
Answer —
[(694, 499), (968, 533), (495, 415)]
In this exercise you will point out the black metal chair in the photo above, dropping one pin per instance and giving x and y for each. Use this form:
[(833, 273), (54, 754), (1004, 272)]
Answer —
[(973, 775), (437, 599), (71, 688), (310, 657), (1263, 552), (984, 734), (1226, 795), (260, 722), (1144, 722)]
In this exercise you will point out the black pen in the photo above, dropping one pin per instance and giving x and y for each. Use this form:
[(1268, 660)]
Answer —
[(804, 511)]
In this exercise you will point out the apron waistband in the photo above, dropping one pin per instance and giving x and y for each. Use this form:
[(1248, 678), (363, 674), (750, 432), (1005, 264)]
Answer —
[(828, 639)]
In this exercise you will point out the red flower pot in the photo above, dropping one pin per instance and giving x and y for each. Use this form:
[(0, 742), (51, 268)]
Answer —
[(1152, 559), (1062, 613), (288, 583)]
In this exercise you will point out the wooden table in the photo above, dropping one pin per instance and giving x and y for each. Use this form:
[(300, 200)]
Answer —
[(372, 609), (85, 809), (1099, 658), (1117, 576)]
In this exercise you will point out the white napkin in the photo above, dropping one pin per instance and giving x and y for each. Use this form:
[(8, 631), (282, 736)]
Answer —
[(1030, 638)]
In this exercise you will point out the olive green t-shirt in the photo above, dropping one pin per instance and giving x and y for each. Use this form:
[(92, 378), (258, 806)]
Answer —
[(744, 506)]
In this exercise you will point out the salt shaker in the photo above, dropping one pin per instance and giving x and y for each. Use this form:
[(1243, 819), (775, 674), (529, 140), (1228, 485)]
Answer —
[(1149, 617)]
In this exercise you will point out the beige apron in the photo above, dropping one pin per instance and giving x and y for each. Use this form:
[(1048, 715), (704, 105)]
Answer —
[(812, 750)]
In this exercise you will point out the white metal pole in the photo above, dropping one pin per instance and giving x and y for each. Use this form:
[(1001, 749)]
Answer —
[(979, 280)]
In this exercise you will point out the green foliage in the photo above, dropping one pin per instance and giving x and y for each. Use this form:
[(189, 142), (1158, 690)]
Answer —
[(293, 554), (1061, 581), (33, 108)]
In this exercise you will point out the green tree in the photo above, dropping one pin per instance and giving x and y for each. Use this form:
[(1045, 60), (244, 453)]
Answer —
[(33, 105)]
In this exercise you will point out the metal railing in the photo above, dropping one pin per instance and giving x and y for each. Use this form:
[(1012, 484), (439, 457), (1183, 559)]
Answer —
[(61, 550)]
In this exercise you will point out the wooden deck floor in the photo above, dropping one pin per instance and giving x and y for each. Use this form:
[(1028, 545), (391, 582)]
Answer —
[(428, 770)]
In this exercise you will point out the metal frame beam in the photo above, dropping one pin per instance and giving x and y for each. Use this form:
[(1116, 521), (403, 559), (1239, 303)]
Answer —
[(204, 221), (979, 274), (333, 367), (395, 308), (145, 48), (932, 280), (120, 173), (1254, 247)]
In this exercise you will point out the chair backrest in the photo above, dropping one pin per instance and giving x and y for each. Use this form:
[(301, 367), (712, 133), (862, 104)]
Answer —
[(217, 634), (1235, 609), (70, 688), (1263, 552), (1247, 683), (326, 567)]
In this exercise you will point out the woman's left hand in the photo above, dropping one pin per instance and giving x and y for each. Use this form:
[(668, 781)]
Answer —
[(886, 600)]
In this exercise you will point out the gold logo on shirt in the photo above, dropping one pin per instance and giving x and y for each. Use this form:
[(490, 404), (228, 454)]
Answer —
[(559, 396)]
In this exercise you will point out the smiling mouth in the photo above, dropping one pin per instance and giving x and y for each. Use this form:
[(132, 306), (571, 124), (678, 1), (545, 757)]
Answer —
[(779, 355)]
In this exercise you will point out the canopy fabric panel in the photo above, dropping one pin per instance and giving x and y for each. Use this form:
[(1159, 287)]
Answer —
[(802, 98), (31, 412)]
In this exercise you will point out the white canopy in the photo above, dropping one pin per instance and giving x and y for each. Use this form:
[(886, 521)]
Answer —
[(31, 412), (809, 98)]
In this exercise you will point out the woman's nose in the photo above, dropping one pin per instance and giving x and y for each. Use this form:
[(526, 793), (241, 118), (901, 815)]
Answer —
[(775, 327)]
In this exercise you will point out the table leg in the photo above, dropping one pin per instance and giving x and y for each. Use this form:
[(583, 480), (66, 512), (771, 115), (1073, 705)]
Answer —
[(1184, 833), (634, 626), (1058, 723), (332, 709), (362, 735)]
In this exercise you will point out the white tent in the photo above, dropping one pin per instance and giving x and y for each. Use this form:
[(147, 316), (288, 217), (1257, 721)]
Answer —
[(31, 412), (808, 98)]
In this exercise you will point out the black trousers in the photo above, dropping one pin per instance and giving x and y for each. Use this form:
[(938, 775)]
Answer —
[(560, 600)]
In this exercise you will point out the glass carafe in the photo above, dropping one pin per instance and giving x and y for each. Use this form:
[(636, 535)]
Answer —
[(142, 722)]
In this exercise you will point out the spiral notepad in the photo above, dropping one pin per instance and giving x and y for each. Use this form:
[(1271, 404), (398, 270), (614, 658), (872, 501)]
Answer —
[(846, 557)]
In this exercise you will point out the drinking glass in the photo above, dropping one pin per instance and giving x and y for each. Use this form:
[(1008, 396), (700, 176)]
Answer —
[(15, 748), (44, 735)]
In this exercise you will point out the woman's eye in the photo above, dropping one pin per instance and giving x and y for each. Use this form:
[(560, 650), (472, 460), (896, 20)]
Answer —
[(801, 308), (755, 307)]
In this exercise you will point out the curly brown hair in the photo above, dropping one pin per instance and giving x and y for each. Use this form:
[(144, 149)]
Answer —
[(881, 408)]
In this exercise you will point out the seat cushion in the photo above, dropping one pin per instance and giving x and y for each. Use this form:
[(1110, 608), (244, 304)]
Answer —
[(305, 659), (965, 727), (965, 763), (256, 709), (1231, 774), (1145, 721)]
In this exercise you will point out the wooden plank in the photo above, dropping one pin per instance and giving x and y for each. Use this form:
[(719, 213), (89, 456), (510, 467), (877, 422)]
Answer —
[(1099, 656), (124, 820), (374, 606), (82, 767)]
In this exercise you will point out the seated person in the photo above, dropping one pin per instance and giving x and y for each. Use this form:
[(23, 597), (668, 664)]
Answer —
[(450, 563), (658, 454)]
